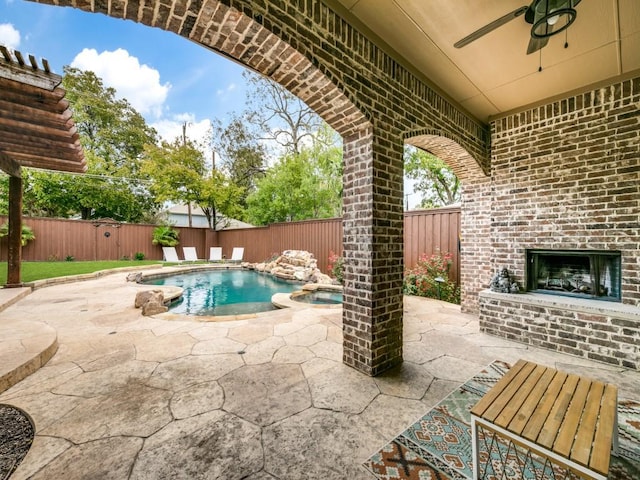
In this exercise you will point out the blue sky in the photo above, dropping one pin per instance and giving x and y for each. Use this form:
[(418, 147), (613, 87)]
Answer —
[(166, 77)]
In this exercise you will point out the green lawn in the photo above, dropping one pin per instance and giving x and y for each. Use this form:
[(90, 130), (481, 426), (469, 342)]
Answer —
[(40, 270)]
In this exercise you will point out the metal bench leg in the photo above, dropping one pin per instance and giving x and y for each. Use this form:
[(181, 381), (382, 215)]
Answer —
[(474, 448)]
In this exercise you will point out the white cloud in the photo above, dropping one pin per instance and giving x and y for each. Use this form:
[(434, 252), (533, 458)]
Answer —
[(139, 84), (9, 36), (224, 91)]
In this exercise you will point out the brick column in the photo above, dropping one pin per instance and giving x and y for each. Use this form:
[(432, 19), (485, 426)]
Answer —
[(475, 242), (373, 251)]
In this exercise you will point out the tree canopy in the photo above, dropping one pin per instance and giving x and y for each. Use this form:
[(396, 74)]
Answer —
[(301, 186), (279, 116), (180, 174), (435, 181)]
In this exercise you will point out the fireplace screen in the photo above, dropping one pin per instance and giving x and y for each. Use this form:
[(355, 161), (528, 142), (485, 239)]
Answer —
[(583, 273)]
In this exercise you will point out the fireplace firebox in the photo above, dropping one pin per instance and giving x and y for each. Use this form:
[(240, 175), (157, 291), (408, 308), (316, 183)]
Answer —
[(577, 273)]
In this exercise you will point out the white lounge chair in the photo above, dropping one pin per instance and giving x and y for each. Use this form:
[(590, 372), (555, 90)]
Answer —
[(170, 255), (237, 254), (215, 254), (190, 254)]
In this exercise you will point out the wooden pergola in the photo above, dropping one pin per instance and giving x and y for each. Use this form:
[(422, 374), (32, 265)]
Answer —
[(36, 130)]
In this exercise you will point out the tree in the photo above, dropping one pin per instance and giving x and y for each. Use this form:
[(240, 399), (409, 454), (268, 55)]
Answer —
[(220, 195), (299, 187), (176, 170), (278, 115), (243, 156), (436, 182), (180, 174), (113, 135)]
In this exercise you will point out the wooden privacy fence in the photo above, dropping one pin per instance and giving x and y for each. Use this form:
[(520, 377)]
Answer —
[(425, 232)]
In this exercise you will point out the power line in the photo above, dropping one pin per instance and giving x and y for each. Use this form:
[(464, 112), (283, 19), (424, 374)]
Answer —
[(89, 175)]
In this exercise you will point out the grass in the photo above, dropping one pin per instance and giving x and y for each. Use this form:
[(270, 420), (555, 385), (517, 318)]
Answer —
[(32, 271)]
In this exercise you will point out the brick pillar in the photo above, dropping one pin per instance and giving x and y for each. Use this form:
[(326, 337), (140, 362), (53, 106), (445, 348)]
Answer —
[(373, 251), (475, 242)]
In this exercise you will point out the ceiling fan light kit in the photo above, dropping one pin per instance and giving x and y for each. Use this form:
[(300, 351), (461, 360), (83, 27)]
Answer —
[(547, 17), (553, 21)]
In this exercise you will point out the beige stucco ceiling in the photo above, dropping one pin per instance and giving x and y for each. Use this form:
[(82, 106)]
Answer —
[(494, 74)]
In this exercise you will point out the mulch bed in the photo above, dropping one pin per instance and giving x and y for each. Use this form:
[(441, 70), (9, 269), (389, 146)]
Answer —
[(16, 437)]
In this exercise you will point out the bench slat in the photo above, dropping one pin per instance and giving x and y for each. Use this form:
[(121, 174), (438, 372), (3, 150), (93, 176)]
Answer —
[(604, 434), (534, 426), (525, 413), (479, 408), (522, 394), (556, 415), (581, 451), (571, 422), (508, 393)]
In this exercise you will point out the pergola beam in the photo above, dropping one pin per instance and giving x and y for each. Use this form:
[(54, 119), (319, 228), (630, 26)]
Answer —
[(29, 75), (10, 166)]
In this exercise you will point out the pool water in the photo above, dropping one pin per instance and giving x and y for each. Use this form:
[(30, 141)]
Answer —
[(320, 297), (227, 292)]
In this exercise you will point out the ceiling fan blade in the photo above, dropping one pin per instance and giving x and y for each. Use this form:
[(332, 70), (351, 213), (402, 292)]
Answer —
[(536, 44), (490, 27)]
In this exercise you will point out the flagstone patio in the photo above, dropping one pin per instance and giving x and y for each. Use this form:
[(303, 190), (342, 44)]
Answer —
[(268, 397)]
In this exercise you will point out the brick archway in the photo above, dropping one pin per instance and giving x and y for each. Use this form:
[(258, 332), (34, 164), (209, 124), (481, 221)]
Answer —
[(451, 151), (475, 185), (367, 97)]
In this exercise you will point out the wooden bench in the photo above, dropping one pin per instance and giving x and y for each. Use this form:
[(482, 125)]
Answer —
[(564, 419)]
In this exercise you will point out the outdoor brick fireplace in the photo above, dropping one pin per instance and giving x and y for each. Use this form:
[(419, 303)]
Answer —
[(574, 273), (561, 211)]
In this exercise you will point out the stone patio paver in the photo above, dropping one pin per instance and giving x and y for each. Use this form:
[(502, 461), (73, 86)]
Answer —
[(262, 398), (213, 445), (264, 394)]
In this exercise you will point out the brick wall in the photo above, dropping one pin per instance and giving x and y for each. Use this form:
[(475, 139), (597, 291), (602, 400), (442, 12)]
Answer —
[(567, 176), (609, 335)]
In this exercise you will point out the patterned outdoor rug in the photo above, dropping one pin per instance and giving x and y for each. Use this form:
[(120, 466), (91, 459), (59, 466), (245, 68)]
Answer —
[(438, 445)]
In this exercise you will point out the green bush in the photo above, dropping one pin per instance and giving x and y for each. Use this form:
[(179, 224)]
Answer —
[(69, 258), (421, 280), (166, 236), (139, 256)]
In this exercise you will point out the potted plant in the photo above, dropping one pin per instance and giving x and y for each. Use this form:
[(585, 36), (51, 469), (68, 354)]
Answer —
[(165, 236), (27, 233)]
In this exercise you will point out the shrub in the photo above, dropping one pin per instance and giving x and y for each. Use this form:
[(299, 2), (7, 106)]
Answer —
[(27, 233), (166, 236), (69, 258), (139, 256), (335, 266), (421, 280)]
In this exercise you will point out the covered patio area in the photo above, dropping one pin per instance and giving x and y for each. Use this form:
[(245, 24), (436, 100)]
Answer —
[(268, 397)]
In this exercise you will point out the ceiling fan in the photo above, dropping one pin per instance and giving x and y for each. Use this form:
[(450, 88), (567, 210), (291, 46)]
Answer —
[(547, 17)]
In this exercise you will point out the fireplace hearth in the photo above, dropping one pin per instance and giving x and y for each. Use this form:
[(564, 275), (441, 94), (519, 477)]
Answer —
[(577, 273)]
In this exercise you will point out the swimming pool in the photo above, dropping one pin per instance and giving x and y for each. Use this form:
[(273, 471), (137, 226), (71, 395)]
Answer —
[(224, 292)]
